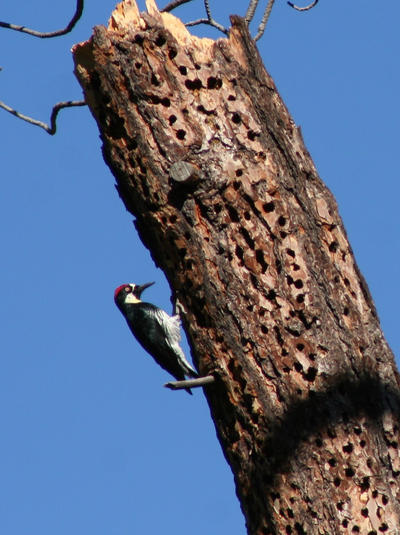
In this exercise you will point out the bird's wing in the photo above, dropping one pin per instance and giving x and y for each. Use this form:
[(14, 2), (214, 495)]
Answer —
[(170, 324)]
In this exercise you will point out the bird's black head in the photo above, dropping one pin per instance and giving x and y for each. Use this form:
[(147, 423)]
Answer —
[(129, 293)]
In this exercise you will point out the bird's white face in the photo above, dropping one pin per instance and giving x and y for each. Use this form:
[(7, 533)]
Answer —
[(130, 295)]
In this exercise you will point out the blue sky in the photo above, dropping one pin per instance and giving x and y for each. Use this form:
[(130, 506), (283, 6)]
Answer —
[(91, 441)]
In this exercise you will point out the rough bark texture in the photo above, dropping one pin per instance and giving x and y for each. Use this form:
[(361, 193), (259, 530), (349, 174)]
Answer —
[(228, 201)]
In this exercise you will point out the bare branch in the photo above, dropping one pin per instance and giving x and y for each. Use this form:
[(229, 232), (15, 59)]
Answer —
[(190, 383), (209, 20), (53, 127), (174, 4), (264, 20), (305, 8), (251, 10), (35, 33)]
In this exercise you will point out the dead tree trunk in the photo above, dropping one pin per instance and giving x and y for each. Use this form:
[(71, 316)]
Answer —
[(227, 199)]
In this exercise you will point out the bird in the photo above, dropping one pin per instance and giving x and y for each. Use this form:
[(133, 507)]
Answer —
[(156, 331)]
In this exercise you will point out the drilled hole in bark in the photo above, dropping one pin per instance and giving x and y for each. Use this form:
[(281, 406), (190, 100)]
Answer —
[(385, 499), (254, 281), (218, 208), (374, 493), (154, 80), (239, 172), (300, 298), (182, 70), (312, 356), (383, 527), (138, 65), (166, 102), (349, 472), (347, 282), (234, 217), (284, 352), (362, 443), (236, 185), (345, 523), (202, 109), (357, 430), (193, 84), (332, 462), (282, 221), (161, 40), (355, 529), (138, 39), (364, 512), (298, 284), (348, 448), (296, 267), (172, 53), (214, 83), (252, 135), (290, 513), (311, 374), (239, 252), (298, 366), (372, 532), (131, 144), (337, 481), (288, 530), (331, 433), (231, 98), (264, 329), (290, 252), (346, 311), (278, 265), (173, 219), (172, 119), (333, 247), (300, 347), (299, 529), (271, 295), (261, 261), (180, 134), (318, 443), (365, 484), (247, 237), (185, 111), (283, 234), (247, 216), (269, 207), (236, 118)]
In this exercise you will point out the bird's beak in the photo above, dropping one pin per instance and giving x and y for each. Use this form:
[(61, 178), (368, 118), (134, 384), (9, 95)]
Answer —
[(140, 289)]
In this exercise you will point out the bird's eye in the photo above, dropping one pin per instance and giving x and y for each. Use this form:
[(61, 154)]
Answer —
[(128, 289)]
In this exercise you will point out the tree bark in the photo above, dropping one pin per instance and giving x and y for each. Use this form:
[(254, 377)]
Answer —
[(227, 199)]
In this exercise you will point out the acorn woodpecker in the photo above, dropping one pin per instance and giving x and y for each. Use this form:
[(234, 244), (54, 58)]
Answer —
[(157, 332)]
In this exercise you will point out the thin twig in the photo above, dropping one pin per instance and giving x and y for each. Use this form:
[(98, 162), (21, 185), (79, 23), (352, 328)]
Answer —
[(190, 383), (35, 33), (251, 10), (209, 20), (305, 8), (174, 4), (53, 126), (264, 20)]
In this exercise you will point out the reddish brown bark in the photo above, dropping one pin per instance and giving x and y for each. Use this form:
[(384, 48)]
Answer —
[(306, 400)]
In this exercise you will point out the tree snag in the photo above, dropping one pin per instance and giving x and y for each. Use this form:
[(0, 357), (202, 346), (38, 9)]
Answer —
[(306, 398)]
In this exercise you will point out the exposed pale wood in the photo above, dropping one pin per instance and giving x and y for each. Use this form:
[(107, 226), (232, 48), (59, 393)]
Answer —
[(306, 400)]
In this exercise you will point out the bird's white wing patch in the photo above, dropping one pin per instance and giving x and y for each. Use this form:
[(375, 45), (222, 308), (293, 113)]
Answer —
[(171, 325)]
